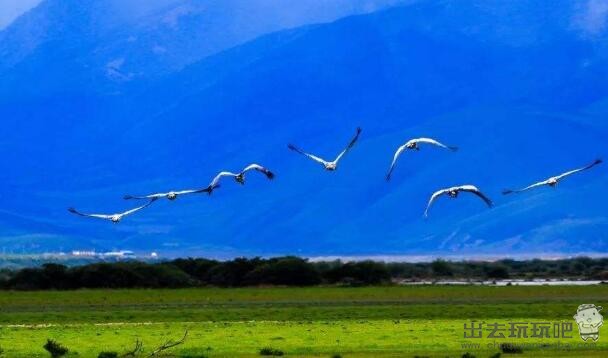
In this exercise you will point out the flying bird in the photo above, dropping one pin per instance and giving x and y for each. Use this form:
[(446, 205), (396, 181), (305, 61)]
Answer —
[(238, 177), (413, 144), (216, 180), (453, 193), (115, 218), (331, 166), (552, 182), (172, 195)]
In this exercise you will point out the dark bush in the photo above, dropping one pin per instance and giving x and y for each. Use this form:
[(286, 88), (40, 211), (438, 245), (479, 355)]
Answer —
[(107, 355), (232, 273), (29, 279), (497, 271), (164, 275), (49, 276), (108, 275), (442, 268), (197, 268), (288, 271), (510, 348), (284, 271), (55, 349), (56, 275), (270, 352), (358, 273)]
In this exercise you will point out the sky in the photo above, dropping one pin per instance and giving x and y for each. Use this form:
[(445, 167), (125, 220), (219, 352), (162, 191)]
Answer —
[(529, 73), (593, 13), (11, 9)]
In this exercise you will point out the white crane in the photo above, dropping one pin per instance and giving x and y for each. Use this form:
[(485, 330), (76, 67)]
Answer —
[(115, 218), (216, 180), (172, 195), (238, 177), (330, 166), (552, 182), (453, 193), (414, 144)]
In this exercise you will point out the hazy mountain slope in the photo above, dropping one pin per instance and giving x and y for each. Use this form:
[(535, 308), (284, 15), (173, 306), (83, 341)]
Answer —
[(65, 45), (521, 94)]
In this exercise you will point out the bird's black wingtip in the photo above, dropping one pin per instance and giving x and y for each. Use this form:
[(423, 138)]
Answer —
[(211, 188), (72, 210), (127, 197), (291, 146), (453, 149), (359, 130), (270, 175), (598, 161), (507, 191)]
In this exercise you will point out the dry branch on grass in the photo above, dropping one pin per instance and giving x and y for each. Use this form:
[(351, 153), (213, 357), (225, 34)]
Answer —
[(169, 344), (137, 350)]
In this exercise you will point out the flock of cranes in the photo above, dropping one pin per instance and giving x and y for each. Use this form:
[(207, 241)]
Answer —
[(413, 144), (172, 195)]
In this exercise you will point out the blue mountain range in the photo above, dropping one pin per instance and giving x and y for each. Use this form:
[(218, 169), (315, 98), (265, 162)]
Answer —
[(97, 102)]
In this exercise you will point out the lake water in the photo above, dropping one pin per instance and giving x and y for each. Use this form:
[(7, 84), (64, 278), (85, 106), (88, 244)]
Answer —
[(535, 282)]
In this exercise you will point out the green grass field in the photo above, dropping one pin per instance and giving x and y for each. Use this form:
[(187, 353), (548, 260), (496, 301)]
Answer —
[(309, 322)]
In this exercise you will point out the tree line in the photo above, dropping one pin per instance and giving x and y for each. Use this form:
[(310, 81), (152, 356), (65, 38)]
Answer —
[(285, 271)]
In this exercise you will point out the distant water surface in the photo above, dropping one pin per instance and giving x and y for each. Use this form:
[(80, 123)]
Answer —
[(534, 282)]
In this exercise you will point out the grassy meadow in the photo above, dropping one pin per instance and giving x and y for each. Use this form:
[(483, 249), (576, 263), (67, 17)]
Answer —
[(404, 321)]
